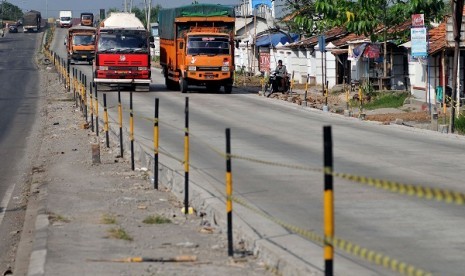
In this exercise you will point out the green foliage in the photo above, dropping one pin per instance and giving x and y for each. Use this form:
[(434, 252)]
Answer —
[(386, 100), (10, 11), (362, 16), (367, 89), (460, 123)]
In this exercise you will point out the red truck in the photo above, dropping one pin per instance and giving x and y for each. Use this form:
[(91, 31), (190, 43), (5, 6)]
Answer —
[(122, 53)]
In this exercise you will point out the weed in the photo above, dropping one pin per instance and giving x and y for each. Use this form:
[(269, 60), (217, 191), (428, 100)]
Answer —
[(459, 123), (57, 218), (156, 220), (119, 233), (108, 219), (386, 100)]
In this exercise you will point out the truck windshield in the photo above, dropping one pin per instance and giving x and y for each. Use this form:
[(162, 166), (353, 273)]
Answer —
[(65, 18), (83, 40), (208, 45), (117, 42)]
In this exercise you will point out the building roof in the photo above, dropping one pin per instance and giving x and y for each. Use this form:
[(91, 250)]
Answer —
[(437, 38)]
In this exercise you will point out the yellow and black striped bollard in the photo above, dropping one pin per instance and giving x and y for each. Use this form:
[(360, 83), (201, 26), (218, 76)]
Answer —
[(155, 145), (186, 158), (229, 193), (328, 201)]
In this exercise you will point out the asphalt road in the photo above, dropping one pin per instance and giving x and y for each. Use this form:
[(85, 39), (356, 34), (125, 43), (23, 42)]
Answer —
[(426, 234), (19, 97)]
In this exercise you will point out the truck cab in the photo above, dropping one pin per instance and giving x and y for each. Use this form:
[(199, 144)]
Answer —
[(122, 53), (87, 19), (80, 44), (197, 46)]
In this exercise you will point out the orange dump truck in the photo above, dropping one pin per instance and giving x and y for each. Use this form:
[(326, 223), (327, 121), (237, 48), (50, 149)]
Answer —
[(197, 46), (80, 44)]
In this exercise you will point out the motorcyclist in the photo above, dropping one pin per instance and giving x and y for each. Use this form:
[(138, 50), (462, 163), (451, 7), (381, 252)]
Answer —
[(281, 74)]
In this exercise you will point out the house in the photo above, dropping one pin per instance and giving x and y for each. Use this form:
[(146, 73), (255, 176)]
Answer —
[(335, 63), (253, 18)]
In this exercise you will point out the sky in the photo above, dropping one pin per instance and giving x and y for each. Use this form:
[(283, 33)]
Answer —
[(51, 8)]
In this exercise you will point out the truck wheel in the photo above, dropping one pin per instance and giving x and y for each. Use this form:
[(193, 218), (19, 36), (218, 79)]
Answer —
[(228, 88), (183, 85), (170, 85)]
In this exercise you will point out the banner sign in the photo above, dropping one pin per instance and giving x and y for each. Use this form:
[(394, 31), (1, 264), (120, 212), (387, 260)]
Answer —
[(418, 20), (256, 3), (418, 37)]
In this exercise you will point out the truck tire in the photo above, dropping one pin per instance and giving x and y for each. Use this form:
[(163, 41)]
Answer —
[(170, 85), (183, 85), (228, 88)]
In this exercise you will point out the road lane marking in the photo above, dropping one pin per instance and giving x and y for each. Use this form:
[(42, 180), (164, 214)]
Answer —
[(5, 201)]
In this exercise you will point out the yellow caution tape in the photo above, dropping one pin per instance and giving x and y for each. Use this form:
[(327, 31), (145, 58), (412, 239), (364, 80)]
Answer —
[(346, 246), (438, 194)]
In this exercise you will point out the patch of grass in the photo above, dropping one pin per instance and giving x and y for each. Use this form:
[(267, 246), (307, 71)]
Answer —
[(156, 220), (108, 219), (459, 123), (119, 233), (57, 218), (386, 100)]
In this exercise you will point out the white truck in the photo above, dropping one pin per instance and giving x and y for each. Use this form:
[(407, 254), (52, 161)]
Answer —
[(66, 18)]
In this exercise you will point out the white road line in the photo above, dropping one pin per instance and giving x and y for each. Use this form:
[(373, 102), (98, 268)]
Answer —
[(5, 201)]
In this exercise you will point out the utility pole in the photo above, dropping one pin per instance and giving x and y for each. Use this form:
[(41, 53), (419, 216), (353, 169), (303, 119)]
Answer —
[(148, 12), (457, 9)]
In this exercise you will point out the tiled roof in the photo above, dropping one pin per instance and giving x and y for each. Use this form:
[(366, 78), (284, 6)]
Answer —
[(437, 38), (330, 36)]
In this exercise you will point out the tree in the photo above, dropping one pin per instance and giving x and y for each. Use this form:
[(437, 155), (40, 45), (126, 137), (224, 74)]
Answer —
[(10, 11), (140, 13), (302, 16), (364, 16)]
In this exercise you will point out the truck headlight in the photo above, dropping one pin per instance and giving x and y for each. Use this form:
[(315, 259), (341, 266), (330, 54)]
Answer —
[(142, 68), (103, 67), (225, 68), (192, 68)]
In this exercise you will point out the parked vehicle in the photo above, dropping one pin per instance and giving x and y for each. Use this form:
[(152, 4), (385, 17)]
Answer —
[(122, 53), (87, 19), (197, 46), (66, 18), (80, 44), (13, 28), (31, 21)]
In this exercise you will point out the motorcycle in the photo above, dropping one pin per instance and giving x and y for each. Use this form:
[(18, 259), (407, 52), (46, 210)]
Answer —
[(273, 85)]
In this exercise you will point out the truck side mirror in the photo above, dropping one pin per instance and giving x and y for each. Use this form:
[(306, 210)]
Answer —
[(151, 39), (181, 45)]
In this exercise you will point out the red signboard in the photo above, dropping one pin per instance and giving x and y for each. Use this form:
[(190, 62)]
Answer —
[(265, 62), (418, 20)]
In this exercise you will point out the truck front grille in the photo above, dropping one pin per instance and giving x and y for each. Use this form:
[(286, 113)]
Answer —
[(208, 68)]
